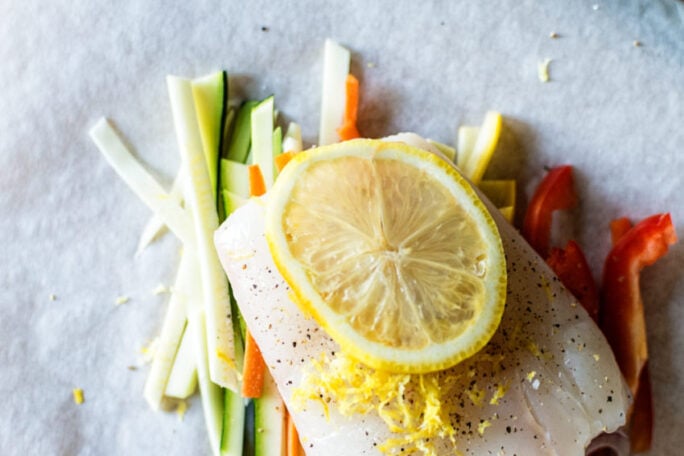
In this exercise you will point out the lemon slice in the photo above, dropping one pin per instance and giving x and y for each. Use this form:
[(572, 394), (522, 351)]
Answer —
[(391, 252)]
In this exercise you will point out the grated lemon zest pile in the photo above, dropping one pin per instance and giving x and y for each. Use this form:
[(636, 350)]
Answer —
[(412, 406)]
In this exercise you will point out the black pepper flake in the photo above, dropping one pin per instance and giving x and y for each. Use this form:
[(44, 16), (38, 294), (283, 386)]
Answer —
[(264, 28), (294, 344)]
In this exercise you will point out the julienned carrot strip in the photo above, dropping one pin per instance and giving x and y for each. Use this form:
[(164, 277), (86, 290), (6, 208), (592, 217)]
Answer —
[(348, 128), (283, 159), (253, 370), (257, 186), (294, 447), (254, 365)]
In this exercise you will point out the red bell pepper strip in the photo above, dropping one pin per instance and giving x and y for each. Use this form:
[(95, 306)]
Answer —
[(641, 420), (622, 314), (618, 228), (555, 192), (641, 425), (572, 269)]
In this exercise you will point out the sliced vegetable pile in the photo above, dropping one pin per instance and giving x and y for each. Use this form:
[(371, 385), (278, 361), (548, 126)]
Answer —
[(618, 309), (232, 151)]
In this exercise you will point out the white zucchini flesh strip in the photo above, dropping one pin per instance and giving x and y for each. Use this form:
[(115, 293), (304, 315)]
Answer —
[(200, 199), (233, 424), (235, 177), (269, 420), (169, 340), (183, 378), (467, 137), (262, 140), (487, 139), (292, 142), (336, 61), (210, 392), (208, 93), (155, 225), (141, 182), (232, 201)]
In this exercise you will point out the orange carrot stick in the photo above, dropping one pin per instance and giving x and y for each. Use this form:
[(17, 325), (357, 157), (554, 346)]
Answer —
[(254, 366), (348, 128), (283, 159), (257, 186), (294, 447), (253, 370)]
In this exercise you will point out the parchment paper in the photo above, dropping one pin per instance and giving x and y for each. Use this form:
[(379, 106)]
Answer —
[(69, 226)]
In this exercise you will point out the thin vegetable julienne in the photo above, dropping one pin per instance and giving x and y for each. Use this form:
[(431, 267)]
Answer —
[(618, 228), (283, 159), (571, 267), (555, 192), (202, 204), (622, 313), (294, 446), (348, 129), (254, 366), (634, 255), (254, 369), (641, 422)]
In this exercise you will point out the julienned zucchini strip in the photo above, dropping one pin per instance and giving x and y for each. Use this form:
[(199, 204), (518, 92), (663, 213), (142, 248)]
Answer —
[(199, 198), (141, 182), (336, 62), (169, 340)]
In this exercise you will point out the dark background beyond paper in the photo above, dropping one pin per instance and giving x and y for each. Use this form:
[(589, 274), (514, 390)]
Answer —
[(69, 226)]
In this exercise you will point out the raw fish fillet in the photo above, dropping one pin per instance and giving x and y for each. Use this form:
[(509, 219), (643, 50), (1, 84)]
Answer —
[(561, 385)]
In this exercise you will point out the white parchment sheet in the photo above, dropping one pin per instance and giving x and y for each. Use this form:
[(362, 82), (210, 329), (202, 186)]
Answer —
[(69, 226)]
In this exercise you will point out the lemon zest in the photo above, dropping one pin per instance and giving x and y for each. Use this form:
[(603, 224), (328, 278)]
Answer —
[(78, 396), (500, 392), (482, 426), (413, 406), (225, 358)]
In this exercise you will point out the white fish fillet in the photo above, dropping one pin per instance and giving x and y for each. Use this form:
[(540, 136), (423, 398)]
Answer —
[(563, 384)]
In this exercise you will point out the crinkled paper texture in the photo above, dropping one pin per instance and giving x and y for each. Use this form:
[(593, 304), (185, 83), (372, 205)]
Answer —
[(69, 226)]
